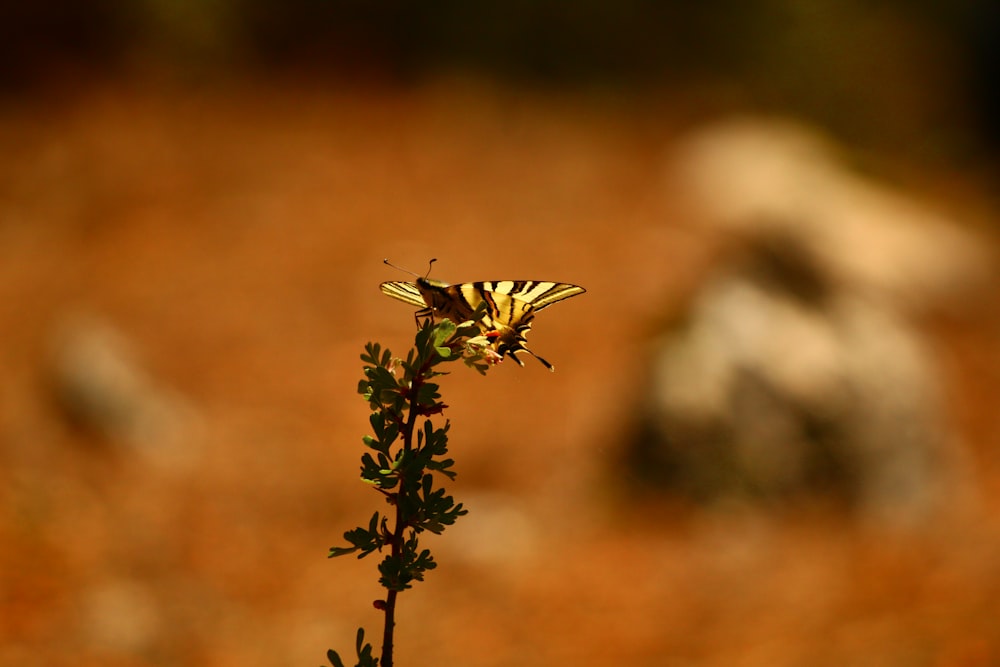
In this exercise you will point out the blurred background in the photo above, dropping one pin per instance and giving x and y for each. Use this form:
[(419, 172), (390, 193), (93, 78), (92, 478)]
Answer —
[(771, 437)]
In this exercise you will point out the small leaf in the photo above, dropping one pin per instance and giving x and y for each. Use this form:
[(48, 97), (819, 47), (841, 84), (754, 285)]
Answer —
[(341, 551), (428, 393), (443, 331)]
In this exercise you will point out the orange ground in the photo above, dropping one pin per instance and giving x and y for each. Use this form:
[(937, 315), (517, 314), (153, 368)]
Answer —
[(236, 238)]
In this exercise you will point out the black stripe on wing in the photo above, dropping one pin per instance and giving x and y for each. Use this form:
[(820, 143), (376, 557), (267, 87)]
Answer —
[(538, 293), (407, 292)]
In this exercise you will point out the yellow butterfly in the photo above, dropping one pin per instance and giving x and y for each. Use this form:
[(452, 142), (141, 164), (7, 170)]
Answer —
[(510, 306)]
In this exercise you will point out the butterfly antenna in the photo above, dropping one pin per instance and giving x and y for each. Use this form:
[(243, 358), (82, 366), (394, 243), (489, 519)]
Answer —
[(399, 268)]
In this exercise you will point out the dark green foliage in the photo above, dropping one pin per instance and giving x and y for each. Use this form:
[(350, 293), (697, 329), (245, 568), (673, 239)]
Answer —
[(405, 453), (364, 651)]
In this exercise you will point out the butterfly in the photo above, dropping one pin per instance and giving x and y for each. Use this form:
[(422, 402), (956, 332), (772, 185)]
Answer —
[(510, 306)]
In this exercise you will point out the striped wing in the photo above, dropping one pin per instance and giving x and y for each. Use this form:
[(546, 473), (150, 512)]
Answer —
[(510, 306), (406, 292), (536, 294)]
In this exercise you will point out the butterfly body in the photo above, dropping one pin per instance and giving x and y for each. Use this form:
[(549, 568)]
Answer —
[(510, 306)]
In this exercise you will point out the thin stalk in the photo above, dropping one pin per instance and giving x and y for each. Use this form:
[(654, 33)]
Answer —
[(401, 521)]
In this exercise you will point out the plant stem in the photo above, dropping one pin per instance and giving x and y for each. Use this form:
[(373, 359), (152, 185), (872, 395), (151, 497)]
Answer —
[(390, 624), (401, 521)]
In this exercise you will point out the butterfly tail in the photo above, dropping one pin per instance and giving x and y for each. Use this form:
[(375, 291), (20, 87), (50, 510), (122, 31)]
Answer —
[(544, 363), (511, 348)]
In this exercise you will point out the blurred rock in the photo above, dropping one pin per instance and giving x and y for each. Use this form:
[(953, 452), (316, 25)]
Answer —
[(751, 177), (794, 370), (102, 387), (779, 384)]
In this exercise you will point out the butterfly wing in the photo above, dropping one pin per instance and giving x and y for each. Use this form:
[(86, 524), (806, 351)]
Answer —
[(510, 306), (537, 294), (434, 299), (406, 292)]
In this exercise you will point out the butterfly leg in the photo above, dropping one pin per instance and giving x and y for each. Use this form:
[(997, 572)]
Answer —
[(423, 316)]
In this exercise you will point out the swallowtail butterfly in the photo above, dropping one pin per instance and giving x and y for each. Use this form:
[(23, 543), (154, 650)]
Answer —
[(510, 306)]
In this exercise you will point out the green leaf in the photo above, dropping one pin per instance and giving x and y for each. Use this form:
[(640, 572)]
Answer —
[(334, 659), (443, 331), (365, 388), (341, 551), (428, 394), (361, 540), (371, 353), (364, 650)]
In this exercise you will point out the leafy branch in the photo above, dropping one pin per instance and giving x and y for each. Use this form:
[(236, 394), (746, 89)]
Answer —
[(405, 453)]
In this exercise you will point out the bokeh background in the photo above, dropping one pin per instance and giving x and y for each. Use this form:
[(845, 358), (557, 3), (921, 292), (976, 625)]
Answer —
[(771, 437)]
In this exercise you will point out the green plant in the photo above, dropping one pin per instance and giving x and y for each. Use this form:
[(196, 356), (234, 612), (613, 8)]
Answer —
[(405, 453)]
